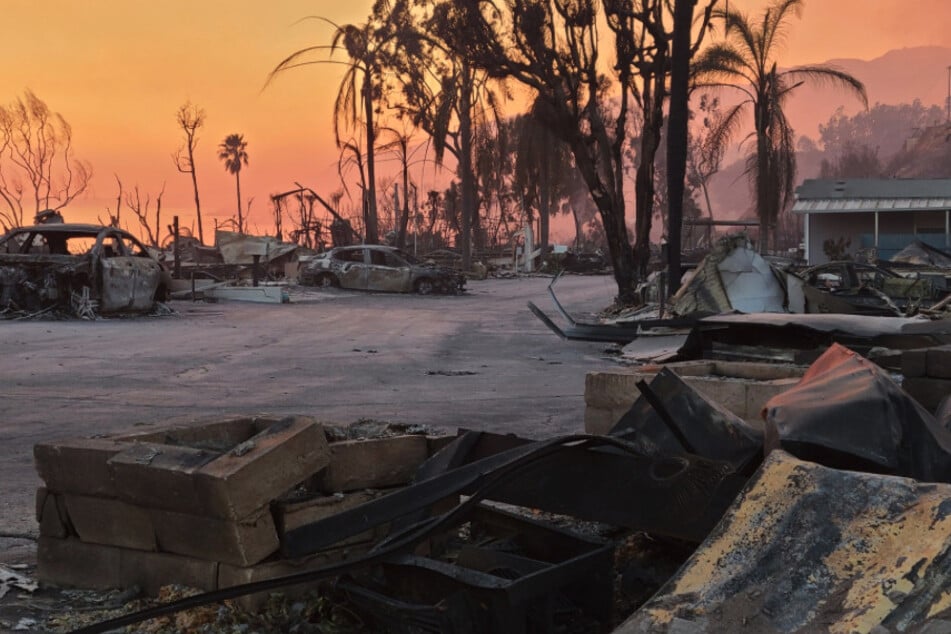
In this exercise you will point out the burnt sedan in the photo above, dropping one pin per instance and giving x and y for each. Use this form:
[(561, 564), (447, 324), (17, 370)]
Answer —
[(860, 288), (79, 268), (380, 268)]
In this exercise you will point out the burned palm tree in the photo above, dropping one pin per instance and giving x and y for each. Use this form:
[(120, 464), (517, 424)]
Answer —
[(746, 61)]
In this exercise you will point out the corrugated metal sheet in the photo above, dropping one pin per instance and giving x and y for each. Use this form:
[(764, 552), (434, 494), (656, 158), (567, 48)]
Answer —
[(866, 205), (806, 548), (876, 188)]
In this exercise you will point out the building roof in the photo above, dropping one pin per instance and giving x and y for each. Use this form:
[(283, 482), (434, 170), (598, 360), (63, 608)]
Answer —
[(865, 195)]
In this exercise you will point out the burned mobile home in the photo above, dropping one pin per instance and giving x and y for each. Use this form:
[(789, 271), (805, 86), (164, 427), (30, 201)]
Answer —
[(80, 269), (380, 268)]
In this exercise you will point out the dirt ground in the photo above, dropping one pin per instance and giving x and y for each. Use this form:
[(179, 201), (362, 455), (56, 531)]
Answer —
[(480, 360)]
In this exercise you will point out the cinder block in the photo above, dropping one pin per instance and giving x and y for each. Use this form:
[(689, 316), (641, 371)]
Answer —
[(160, 476), (51, 515), (372, 464), (927, 391), (759, 392), (151, 571), (437, 443), (755, 371), (110, 522), (262, 468), (939, 363), (290, 515), (217, 435), (241, 543), (229, 576), (75, 564), (77, 465), (611, 390), (731, 394), (914, 362), (598, 420)]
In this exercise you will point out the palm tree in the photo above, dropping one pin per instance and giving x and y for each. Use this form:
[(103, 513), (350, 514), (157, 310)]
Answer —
[(361, 87), (746, 61), (233, 151)]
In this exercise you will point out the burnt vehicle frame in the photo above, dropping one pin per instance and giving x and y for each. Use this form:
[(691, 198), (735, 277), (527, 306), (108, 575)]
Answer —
[(868, 289), (380, 268), (78, 267)]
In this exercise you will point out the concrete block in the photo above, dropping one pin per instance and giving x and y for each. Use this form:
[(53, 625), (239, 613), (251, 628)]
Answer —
[(160, 476), (77, 465), (238, 483), (759, 392), (914, 362), (755, 371), (150, 571), (75, 564), (375, 463), (51, 515), (435, 444), (611, 390), (242, 543), (290, 515), (229, 575), (927, 391), (728, 393), (598, 420), (110, 522), (218, 435), (939, 363)]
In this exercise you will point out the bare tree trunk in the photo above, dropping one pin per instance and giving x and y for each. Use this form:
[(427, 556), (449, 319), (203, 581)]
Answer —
[(191, 162), (465, 165), (404, 218), (677, 137), (371, 229), (237, 180)]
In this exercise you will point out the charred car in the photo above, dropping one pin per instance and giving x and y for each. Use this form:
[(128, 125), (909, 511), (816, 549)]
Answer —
[(380, 268), (78, 268), (856, 287)]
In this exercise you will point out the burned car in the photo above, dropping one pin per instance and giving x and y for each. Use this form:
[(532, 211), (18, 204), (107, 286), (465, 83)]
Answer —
[(865, 289), (83, 269), (380, 268)]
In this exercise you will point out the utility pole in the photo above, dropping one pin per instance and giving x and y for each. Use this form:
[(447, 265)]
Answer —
[(949, 96)]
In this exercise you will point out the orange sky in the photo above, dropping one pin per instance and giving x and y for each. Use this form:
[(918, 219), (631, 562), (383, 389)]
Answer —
[(118, 70)]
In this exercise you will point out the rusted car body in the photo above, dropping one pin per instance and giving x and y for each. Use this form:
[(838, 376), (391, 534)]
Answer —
[(856, 287), (56, 265), (380, 268)]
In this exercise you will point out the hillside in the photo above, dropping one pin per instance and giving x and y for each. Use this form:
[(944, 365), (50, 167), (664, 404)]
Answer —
[(899, 76)]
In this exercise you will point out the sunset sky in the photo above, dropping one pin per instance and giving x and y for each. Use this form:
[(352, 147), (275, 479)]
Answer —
[(118, 70)]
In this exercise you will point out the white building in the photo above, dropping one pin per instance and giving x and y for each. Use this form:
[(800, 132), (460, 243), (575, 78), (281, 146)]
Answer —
[(885, 215)]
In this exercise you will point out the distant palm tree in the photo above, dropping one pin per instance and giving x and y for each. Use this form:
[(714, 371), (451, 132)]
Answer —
[(746, 61), (233, 151)]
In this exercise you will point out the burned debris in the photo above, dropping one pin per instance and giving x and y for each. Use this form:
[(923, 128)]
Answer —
[(81, 270), (480, 532)]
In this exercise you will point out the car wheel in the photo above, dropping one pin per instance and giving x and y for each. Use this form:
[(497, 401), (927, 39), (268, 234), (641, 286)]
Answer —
[(424, 286), (326, 281)]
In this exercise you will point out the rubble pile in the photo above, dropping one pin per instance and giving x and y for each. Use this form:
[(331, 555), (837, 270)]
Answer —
[(204, 506), (826, 512)]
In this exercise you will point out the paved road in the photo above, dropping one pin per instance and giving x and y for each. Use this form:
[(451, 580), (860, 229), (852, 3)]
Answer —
[(480, 360)]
